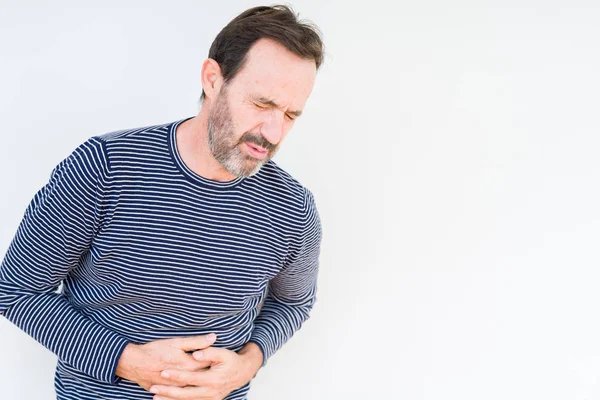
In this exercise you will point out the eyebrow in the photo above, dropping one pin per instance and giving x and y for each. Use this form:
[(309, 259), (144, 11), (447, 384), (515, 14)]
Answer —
[(272, 103)]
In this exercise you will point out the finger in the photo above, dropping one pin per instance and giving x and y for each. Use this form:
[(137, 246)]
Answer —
[(186, 378), (177, 393), (215, 355), (186, 363), (191, 343)]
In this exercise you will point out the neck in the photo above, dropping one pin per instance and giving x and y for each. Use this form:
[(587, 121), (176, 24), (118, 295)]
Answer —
[(191, 138)]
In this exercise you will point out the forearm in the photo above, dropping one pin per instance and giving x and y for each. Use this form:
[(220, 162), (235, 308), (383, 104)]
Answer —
[(57, 229), (253, 357), (53, 322), (278, 321)]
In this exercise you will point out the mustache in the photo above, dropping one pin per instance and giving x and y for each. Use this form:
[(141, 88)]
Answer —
[(257, 140)]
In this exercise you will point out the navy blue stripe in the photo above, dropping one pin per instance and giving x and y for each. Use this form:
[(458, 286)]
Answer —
[(146, 249)]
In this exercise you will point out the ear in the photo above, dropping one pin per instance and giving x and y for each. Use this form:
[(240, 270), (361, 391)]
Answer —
[(212, 79)]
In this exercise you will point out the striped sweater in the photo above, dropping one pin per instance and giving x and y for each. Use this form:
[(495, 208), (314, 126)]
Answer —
[(147, 249)]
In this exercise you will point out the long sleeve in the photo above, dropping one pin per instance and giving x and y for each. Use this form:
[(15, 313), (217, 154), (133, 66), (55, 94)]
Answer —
[(56, 231), (292, 292)]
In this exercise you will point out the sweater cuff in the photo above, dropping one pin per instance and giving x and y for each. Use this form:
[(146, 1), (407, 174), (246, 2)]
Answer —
[(116, 356), (262, 344)]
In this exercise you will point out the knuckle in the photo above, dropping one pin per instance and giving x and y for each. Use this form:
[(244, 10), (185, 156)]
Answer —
[(190, 365)]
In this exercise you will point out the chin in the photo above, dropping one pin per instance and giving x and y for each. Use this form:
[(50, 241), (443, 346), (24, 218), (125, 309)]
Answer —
[(246, 172)]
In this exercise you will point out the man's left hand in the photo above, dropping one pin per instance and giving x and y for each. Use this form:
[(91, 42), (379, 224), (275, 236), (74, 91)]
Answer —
[(228, 371)]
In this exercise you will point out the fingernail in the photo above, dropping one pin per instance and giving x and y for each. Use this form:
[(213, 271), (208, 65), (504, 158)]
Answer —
[(153, 390), (211, 336), (198, 355), (165, 374)]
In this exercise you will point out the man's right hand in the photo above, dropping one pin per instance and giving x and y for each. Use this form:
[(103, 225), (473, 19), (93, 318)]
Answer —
[(143, 363)]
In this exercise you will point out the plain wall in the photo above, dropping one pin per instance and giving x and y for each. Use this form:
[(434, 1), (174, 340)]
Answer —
[(452, 148)]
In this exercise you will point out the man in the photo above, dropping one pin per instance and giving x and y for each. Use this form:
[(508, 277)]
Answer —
[(166, 234)]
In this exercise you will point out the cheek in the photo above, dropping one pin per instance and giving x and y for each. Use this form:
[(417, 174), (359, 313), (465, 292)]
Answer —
[(248, 121)]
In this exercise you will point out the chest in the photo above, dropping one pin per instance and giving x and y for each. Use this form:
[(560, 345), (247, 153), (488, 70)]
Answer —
[(189, 245)]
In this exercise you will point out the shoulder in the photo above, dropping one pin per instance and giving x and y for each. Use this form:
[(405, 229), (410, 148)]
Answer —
[(274, 179), (138, 142), (88, 159), (297, 199), (132, 134), (302, 221)]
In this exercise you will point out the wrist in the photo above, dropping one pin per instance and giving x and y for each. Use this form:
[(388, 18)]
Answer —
[(125, 366), (253, 358)]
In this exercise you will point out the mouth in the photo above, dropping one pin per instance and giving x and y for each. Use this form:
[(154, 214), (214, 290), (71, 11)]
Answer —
[(255, 151)]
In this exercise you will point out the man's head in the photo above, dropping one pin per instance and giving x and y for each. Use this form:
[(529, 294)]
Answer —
[(259, 74)]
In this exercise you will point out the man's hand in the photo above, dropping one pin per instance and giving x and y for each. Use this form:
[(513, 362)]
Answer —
[(228, 371), (143, 363)]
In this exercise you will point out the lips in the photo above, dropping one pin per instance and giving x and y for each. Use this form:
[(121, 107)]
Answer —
[(255, 151), (258, 149)]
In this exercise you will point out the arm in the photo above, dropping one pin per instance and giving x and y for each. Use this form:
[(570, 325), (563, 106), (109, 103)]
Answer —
[(56, 231), (292, 292), (291, 296)]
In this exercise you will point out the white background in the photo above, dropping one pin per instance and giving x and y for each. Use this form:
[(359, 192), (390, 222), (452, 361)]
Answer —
[(452, 148)]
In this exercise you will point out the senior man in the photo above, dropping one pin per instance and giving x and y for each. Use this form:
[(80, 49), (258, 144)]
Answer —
[(187, 257)]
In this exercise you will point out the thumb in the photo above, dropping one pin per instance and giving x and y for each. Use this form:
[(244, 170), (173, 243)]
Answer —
[(191, 343)]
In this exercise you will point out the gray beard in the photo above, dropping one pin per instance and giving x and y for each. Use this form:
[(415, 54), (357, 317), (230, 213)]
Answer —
[(231, 156)]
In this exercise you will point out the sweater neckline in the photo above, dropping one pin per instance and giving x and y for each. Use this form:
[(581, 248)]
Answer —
[(186, 171)]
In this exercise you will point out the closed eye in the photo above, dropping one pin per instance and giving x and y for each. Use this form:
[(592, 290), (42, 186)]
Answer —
[(289, 116)]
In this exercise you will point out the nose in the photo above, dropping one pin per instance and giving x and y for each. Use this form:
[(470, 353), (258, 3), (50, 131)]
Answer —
[(272, 127)]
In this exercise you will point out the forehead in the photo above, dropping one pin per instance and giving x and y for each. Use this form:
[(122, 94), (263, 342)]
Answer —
[(274, 72)]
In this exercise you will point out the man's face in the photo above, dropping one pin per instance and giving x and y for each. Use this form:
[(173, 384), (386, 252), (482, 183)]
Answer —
[(254, 111)]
